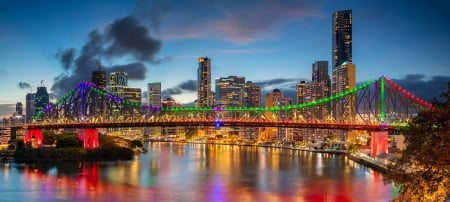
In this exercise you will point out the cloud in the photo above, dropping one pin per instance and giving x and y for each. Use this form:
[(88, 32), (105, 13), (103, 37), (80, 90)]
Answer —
[(187, 86), (124, 39), (422, 87), (136, 71), (23, 85), (279, 83), (66, 57), (127, 37), (234, 20), (7, 109)]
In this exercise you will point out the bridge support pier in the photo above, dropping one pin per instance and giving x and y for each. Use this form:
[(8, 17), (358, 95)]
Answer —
[(89, 136), (379, 143), (34, 137)]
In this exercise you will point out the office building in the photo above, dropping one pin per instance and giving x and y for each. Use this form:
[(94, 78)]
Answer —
[(41, 99), (99, 77), (154, 100), (204, 94), (154, 94), (117, 83), (29, 107), (277, 99), (229, 91), (19, 108), (342, 37), (251, 96)]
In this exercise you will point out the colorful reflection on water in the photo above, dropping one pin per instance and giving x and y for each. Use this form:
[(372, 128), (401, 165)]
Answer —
[(198, 172)]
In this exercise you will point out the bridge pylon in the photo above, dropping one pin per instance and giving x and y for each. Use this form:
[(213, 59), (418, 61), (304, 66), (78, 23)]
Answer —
[(34, 137), (89, 136)]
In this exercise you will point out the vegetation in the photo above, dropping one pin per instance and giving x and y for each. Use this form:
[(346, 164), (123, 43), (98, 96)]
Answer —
[(69, 149), (422, 172)]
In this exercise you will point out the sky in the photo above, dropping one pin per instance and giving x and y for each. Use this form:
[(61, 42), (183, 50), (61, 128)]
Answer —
[(271, 42)]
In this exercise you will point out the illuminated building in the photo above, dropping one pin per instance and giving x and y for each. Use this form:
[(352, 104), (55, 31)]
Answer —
[(99, 77), (204, 95), (29, 107), (342, 37), (277, 99), (117, 83), (174, 131), (251, 96), (19, 108), (154, 99), (154, 94), (229, 91), (41, 99), (343, 79)]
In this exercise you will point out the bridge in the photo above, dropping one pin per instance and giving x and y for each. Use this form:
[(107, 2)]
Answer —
[(378, 106)]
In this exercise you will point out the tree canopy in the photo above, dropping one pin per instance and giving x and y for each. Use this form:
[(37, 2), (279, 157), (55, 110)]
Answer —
[(422, 171)]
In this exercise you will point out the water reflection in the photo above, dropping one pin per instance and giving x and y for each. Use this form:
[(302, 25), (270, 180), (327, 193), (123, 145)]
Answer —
[(198, 172)]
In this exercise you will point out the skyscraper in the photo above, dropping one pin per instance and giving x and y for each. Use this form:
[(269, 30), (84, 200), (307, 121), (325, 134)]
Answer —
[(344, 78), (204, 95), (154, 94), (154, 100), (19, 108), (99, 77), (41, 99), (342, 37), (29, 107), (252, 95), (229, 91)]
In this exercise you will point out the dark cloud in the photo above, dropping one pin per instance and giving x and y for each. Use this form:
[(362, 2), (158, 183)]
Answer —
[(23, 85), (66, 57), (136, 71), (184, 87), (125, 38), (278, 83), (426, 89)]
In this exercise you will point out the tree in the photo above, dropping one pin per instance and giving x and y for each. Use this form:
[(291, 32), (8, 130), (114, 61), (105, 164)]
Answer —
[(136, 143), (422, 171)]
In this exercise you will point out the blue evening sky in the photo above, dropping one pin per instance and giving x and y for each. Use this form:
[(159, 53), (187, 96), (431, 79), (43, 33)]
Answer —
[(267, 41)]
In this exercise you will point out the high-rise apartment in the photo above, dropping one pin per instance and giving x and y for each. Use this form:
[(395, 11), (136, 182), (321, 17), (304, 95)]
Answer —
[(41, 99), (204, 95), (344, 78), (342, 37), (252, 95)]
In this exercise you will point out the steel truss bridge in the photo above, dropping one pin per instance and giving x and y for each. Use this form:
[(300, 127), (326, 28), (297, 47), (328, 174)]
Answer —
[(376, 105)]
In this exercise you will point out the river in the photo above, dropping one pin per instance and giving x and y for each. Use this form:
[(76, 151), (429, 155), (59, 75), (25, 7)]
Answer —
[(199, 172)]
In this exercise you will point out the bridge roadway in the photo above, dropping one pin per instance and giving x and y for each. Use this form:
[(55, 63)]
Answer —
[(211, 123)]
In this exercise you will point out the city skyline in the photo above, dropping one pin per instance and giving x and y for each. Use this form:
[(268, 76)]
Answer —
[(246, 41)]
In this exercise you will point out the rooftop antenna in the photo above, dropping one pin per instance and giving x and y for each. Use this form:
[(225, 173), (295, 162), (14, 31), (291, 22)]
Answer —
[(42, 83), (99, 63)]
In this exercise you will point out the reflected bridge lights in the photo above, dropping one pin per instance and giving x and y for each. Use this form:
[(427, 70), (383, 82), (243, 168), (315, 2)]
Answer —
[(218, 123)]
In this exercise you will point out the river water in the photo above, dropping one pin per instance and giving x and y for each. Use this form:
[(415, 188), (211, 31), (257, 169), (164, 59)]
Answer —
[(199, 172)]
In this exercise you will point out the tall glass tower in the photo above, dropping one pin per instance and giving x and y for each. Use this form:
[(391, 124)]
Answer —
[(99, 77), (41, 99), (342, 37), (204, 95)]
